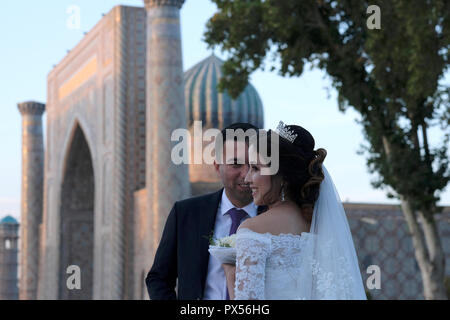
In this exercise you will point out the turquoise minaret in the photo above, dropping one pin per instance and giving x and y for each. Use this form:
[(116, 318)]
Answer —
[(166, 182), (9, 236), (32, 196)]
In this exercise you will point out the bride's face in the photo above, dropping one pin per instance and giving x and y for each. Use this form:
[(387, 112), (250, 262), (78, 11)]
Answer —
[(261, 185)]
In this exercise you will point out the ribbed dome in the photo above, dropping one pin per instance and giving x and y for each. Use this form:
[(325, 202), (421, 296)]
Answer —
[(218, 110)]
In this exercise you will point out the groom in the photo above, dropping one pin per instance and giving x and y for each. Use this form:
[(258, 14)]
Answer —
[(183, 251)]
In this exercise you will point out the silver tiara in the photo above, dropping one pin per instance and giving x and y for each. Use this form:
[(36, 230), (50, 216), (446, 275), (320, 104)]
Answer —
[(284, 132)]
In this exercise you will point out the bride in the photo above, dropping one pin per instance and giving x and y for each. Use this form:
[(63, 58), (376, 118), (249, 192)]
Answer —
[(301, 247)]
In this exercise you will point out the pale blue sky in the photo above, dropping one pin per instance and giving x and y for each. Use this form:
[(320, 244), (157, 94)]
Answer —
[(35, 36)]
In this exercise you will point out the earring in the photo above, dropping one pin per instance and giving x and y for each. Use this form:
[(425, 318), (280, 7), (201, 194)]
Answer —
[(282, 193)]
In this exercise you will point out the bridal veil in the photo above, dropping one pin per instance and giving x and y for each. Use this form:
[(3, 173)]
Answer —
[(330, 255)]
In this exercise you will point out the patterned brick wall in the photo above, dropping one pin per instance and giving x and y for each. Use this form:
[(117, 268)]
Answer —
[(381, 237)]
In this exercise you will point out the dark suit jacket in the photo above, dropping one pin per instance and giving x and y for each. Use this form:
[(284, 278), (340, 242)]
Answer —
[(183, 250)]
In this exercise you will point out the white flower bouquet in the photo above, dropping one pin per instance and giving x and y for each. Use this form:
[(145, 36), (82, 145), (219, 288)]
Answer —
[(223, 249)]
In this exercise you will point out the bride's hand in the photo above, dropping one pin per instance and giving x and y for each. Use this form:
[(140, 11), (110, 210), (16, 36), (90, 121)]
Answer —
[(230, 269), (230, 275)]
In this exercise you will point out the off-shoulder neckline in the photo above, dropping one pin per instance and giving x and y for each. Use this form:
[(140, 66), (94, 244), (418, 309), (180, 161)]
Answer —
[(300, 236)]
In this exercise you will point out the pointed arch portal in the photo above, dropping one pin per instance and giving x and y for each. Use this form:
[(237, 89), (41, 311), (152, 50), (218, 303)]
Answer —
[(77, 218)]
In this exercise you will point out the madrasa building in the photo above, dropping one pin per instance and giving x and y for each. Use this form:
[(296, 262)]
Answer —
[(97, 195)]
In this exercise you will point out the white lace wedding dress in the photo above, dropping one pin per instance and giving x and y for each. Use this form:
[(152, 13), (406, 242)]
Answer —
[(282, 267), (267, 265)]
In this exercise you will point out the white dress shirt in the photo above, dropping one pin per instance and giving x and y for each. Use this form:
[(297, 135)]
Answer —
[(216, 286)]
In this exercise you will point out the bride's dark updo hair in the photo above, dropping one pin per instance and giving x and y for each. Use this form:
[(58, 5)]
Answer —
[(300, 167)]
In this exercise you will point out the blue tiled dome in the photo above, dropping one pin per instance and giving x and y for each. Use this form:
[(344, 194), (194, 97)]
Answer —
[(8, 219), (218, 110)]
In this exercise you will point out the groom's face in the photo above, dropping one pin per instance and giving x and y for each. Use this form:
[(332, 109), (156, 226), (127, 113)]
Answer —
[(233, 172)]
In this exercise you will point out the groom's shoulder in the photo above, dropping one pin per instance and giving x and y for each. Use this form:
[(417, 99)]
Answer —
[(201, 200)]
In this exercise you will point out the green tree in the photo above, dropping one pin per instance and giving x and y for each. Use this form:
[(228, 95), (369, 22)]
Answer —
[(392, 76)]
